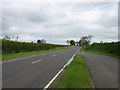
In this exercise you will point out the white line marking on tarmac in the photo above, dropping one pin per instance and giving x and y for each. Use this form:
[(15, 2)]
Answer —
[(11, 60), (83, 52), (36, 61), (53, 55), (50, 82), (0, 62)]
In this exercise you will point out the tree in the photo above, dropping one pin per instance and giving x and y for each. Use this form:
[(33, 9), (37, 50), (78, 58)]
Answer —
[(101, 41), (72, 42), (80, 43), (17, 38), (41, 41), (77, 43), (89, 37), (68, 42), (86, 40), (7, 37), (11, 38)]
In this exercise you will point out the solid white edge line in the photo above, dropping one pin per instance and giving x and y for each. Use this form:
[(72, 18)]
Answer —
[(50, 82)]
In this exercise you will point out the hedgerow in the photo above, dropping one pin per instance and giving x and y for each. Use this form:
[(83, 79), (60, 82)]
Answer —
[(16, 47), (112, 48)]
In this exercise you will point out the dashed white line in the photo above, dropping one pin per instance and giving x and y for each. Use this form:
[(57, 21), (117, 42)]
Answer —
[(11, 60), (36, 61), (0, 62), (53, 55)]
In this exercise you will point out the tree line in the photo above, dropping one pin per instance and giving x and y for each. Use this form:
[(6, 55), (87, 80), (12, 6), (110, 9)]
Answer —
[(85, 40), (13, 38)]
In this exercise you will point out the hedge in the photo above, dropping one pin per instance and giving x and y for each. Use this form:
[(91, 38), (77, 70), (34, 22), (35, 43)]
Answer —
[(16, 47), (112, 48)]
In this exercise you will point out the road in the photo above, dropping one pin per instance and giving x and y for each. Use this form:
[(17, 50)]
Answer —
[(104, 70), (35, 71)]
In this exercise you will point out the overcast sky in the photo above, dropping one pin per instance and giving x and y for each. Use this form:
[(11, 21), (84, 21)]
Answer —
[(58, 22)]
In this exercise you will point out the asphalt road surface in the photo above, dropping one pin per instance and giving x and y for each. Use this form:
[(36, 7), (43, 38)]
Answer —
[(104, 70), (34, 71)]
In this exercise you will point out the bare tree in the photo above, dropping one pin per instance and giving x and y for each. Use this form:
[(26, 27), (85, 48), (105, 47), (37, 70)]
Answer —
[(13, 38), (6, 37), (86, 40), (68, 42), (17, 38)]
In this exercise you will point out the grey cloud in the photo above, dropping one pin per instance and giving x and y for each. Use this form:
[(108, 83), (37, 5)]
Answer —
[(57, 22)]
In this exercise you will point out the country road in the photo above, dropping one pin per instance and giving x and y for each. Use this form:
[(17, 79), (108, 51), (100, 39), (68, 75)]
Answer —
[(35, 71), (104, 70)]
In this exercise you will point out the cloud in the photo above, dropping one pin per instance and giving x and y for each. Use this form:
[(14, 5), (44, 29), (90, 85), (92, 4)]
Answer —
[(57, 22)]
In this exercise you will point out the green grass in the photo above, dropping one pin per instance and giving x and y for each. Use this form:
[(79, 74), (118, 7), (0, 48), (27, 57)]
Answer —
[(99, 52), (22, 54), (76, 75)]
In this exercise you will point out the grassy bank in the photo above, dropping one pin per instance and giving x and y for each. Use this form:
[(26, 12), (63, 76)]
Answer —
[(22, 54), (76, 75), (100, 52)]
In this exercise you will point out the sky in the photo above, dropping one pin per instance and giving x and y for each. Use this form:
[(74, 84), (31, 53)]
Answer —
[(60, 21)]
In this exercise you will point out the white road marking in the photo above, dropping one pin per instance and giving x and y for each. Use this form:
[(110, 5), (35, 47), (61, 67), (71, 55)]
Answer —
[(0, 62), (36, 61), (50, 82), (11, 60), (53, 55), (83, 52), (19, 59)]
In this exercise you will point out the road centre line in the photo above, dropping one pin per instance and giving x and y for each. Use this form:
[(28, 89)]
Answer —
[(36, 61), (18, 59), (53, 55), (11, 60)]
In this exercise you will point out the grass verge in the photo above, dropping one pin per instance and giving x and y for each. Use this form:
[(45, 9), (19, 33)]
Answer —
[(99, 52), (22, 54), (76, 75)]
